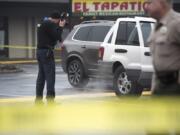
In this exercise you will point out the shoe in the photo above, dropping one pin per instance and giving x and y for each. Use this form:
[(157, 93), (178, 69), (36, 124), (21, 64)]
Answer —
[(51, 102), (39, 102)]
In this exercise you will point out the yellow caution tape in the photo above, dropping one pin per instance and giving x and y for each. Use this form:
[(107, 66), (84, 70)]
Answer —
[(111, 116), (22, 47), (17, 47), (147, 93), (23, 61), (18, 62)]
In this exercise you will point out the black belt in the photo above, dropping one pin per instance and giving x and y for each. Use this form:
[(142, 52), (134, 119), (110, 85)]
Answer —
[(42, 48), (46, 47), (168, 77)]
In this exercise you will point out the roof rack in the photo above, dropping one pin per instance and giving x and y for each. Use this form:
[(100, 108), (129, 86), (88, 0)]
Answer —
[(96, 21)]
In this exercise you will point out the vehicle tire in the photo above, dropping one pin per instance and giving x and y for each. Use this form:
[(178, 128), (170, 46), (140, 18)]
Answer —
[(123, 86), (76, 75)]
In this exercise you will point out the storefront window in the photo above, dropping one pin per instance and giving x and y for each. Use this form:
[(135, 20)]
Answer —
[(2, 39)]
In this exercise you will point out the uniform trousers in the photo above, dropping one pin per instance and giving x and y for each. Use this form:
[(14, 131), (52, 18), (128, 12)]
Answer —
[(46, 73), (166, 89)]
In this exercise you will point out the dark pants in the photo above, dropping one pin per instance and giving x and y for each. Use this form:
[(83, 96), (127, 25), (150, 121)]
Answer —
[(46, 74), (171, 89)]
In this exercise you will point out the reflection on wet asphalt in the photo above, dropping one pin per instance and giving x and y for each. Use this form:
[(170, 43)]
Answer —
[(23, 83)]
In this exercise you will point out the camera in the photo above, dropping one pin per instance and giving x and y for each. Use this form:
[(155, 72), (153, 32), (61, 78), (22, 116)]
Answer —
[(64, 16)]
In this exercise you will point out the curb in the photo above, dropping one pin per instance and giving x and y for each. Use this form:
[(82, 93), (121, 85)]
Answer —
[(10, 69), (22, 62)]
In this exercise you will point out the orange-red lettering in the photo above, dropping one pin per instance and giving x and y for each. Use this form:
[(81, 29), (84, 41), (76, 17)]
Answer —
[(77, 7), (139, 6), (85, 9), (133, 5), (144, 5), (96, 4), (124, 6), (105, 6), (114, 5)]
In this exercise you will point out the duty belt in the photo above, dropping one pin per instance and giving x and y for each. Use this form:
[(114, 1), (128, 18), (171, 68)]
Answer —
[(168, 77)]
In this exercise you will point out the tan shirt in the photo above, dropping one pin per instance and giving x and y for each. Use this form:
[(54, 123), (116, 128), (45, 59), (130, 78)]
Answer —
[(165, 43)]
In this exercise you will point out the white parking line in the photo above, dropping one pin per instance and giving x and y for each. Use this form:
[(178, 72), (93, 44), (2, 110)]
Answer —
[(6, 95), (20, 98), (78, 96)]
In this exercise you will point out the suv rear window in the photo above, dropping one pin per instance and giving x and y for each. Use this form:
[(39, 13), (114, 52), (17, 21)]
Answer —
[(92, 33), (98, 33), (82, 33)]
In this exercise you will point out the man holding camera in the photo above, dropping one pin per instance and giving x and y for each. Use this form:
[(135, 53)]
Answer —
[(49, 32)]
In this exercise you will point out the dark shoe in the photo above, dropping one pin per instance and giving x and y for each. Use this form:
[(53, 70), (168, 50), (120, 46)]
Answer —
[(51, 102), (39, 102)]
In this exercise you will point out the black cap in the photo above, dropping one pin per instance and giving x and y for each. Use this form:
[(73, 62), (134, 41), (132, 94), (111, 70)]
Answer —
[(55, 15)]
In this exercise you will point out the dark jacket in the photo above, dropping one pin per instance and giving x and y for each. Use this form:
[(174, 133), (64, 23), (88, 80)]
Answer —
[(48, 34)]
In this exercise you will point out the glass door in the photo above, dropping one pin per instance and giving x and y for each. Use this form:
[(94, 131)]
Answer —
[(3, 37)]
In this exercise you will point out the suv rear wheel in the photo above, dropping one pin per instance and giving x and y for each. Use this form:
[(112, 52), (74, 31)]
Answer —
[(123, 86), (76, 75)]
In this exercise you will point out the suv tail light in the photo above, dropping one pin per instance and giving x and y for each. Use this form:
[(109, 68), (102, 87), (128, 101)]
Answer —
[(101, 53)]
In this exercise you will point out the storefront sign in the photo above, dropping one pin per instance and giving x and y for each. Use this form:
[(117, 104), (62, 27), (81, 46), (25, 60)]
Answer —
[(108, 7)]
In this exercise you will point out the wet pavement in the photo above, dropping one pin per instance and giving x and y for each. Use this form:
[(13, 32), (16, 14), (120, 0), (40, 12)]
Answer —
[(22, 84)]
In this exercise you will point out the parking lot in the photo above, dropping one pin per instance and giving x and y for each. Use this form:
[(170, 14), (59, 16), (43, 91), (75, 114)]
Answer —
[(22, 84)]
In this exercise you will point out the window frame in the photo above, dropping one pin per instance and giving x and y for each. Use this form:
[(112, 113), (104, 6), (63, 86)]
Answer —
[(4, 51), (78, 29), (152, 27), (127, 37)]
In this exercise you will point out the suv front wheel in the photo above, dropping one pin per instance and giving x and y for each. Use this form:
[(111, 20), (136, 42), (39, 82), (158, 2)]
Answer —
[(76, 75), (122, 84)]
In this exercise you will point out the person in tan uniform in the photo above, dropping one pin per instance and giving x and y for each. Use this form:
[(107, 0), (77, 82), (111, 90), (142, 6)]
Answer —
[(164, 44)]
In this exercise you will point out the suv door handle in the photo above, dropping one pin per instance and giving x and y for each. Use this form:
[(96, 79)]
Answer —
[(83, 46), (121, 51), (147, 53)]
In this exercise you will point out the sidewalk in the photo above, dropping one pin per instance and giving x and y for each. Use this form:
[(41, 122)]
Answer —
[(11, 66)]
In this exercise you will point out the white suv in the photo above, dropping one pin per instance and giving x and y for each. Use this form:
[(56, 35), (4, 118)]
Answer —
[(125, 56)]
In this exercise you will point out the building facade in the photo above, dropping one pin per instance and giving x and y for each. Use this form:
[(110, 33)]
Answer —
[(83, 10), (19, 19), (18, 24)]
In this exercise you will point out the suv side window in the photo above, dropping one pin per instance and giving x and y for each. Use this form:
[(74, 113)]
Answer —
[(146, 30), (82, 33), (127, 34), (98, 33)]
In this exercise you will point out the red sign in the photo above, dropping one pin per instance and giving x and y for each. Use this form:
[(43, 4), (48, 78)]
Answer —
[(105, 6)]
